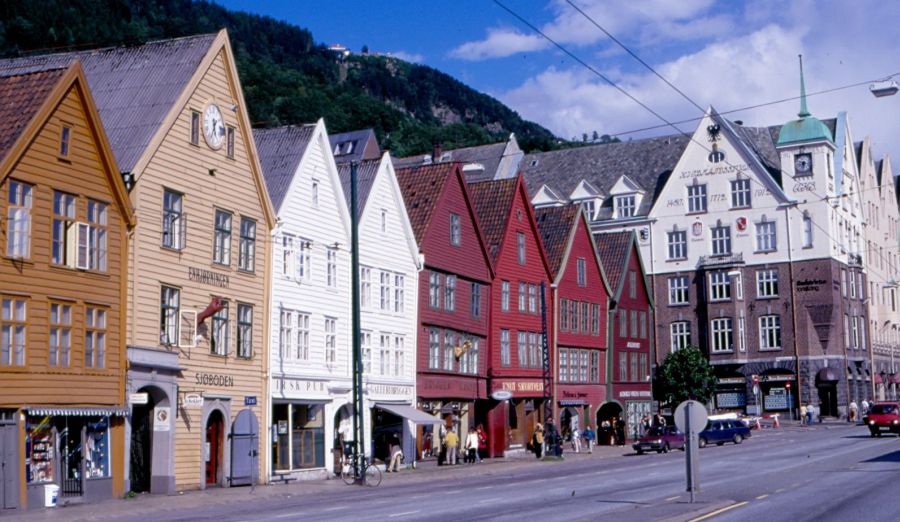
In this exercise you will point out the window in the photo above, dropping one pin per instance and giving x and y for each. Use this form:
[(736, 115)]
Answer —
[(286, 335), (742, 345), (303, 261), (245, 331), (195, 127), (399, 293), (448, 350), (60, 334), (719, 286), (623, 367), (740, 193), (450, 293), (384, 355), (854, 332), (644, 369), (94, 337), (12, 332), (770, 332), (455, 233), (434, 290), (643, 320), (63, 251), (174, 222), (721, 240), (520, 247), (302, 336), (680, 332), (504, 296), (563, 314), (595, 366), (229, 141), (65, 133), (476, 300), (847, 330), (624, 206), (504, 348), (314, 193), (563, 365), (434, 349), (696, 198), (383, 221), (581, 266), (765, 237), (330, 339), (222, 244), (583, 368), (722, 338), (218, 343), (807, 231), (18, 225), (365, 287), (595, 319), (522, 295), (169, 305), (678, 290), (585, 317), (678, 244), (632, 284), (385, 292), (472, 354), (399, 356), (247, 254), (852, 284), (844, 282), (634, 367), (331, 267), (532, 298), (366, 348), (634, 323), (590, 208), (767, 283), (97, 237), (573, 315), (522, 338)]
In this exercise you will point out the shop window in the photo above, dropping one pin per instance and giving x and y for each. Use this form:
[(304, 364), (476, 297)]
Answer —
[(307, 436), (39, 450), (96, 451)]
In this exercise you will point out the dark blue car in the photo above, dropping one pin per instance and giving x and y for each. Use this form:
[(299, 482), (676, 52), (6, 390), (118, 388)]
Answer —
[(721, 431)]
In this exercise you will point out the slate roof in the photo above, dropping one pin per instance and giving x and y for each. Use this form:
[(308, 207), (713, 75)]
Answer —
[(614, 249), (487, 155), (280, 150), (21, 97), (366, 172), (134, 87), (359, 139), (492, 201), (421, 188), (555, 225)]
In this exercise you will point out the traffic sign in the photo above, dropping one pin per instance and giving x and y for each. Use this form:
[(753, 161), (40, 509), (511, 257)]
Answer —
[(698, 416)]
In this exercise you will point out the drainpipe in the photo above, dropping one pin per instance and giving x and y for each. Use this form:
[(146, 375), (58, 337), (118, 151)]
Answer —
[(787, 223)]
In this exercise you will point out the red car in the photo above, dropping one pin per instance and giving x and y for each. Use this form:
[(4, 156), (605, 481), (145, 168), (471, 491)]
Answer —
[(660, 440), (883, 416)]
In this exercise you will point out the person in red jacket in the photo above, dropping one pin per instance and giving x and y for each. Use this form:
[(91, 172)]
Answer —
[(482, 442)]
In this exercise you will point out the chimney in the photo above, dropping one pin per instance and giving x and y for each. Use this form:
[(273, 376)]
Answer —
[(437, 152)]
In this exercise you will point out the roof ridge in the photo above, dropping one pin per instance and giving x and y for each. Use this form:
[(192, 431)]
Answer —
[(92, 50)]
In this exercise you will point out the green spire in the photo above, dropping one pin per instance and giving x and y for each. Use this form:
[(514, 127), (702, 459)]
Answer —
[(804, 112)]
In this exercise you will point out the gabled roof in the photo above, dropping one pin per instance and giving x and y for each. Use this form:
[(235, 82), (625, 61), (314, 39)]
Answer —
[(614, 249), (422, 187), (21, 97), (366, 172), (353, 146), (280, 151), (547, 193), (134, 87), (493, 203), (555, 225), (479, 163)]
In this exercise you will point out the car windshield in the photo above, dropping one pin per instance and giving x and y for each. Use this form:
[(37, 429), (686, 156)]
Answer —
[(883, 408)]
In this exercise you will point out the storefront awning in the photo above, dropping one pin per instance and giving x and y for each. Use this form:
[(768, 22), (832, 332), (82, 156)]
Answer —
[(409, 413), (86, 411)]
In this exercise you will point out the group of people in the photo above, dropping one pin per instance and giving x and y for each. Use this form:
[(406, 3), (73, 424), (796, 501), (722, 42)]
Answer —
[(612, 431), (808, 414), (855, 413), (474, 444), (588, 436), (548, 439)]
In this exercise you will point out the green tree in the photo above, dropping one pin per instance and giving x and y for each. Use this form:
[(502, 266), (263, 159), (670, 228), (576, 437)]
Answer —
[(684, 374)]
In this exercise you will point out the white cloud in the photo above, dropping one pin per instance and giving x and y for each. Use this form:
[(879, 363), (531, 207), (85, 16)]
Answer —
[(408, 57), (499, 43)]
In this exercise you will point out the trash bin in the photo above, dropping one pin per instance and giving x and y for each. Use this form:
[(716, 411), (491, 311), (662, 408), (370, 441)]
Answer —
[(51, 493)]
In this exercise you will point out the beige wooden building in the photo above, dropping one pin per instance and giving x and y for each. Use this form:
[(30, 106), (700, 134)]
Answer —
[(199, 261)]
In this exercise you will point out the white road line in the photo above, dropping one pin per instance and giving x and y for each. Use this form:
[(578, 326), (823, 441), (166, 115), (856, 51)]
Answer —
[(485, 487), (486, 500), (405, 513)]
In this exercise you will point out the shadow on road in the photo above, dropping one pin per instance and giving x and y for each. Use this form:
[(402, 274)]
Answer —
[(893, 456)]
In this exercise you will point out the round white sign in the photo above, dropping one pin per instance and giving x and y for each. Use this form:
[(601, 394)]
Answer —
[(501, 395), (698, 416)]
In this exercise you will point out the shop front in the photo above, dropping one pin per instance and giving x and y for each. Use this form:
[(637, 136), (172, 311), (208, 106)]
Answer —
[(779, 392), (636, 402), (458, 401), (393, 418), (511, 422), (731, 393), (77, 452), (576, 405)]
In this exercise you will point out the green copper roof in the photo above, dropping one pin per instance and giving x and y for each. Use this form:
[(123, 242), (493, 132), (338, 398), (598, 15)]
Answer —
[(808, 127)]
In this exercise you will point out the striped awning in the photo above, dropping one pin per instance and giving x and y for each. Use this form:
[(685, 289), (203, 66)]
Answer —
[(85, 411)]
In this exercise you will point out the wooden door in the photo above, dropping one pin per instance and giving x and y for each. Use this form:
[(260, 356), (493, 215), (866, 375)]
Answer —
[(9, 467), (214, 430)]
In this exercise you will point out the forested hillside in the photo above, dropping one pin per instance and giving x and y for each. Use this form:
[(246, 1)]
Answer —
[(287, 76)]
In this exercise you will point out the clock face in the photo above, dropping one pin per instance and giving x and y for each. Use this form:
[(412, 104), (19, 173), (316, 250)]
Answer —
[(803, 163), (213, 126)]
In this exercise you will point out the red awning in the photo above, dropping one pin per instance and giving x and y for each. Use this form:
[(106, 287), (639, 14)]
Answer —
[(878, 379)]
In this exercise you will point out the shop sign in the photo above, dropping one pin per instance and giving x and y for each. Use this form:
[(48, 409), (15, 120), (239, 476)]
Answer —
[(299, 385), (214, 379), (574, 395), (633, 393), (572, 402), (450, 386), (161, 418), (192, 400), (501, 395), (632, 344), (390, 389), (282, 427), (777, 378), (207, 277), (250, 400), (731, 380), (810, 285), (138, 398), (522, 386)]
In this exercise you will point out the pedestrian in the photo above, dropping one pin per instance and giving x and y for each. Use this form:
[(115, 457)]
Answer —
[(471, 446), (396, 455), (482, 443), (576, 440), (854, 411), (451, 444), (606, 430), (645, 424), (620, 431), (589, 438), (442, 450), (810, 412), (537, 441), (865, 407), (660, 421), (803, 411)]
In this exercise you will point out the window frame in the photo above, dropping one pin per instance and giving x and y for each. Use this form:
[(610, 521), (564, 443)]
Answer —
[(766, 236), (721, 329), (244, 331), (222, 229), (770, 333), (677, 243), (697, 198), (95, 329), (741, 193), (679, 335), (679, 290)]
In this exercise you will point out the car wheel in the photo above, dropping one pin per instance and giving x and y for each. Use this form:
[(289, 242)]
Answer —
[(878, 434), (873, 433), (701, 442), (666, 448), (640, 452), (738, 439)]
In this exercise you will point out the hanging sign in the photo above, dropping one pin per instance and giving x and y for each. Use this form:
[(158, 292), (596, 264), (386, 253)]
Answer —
[(192, 400), (138, 398)]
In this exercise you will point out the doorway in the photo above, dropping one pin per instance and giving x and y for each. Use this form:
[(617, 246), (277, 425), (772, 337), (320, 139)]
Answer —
[(142, 445), (215, 430), (9, 467), (828, 399), (607, 416)]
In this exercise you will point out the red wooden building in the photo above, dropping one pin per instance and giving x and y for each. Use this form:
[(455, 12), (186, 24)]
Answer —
[(515, 339), (581, 301), (454, 296), (630, 332)]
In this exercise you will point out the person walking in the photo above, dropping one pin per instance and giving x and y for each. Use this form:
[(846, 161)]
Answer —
[(865, 407), (537, 441), (576, 440), (589, 437), (606, 430), (451, 444), (620, 431), (471, 446), (809, 414), (803, 411), (854, 412), (396, 454), (482, 443)]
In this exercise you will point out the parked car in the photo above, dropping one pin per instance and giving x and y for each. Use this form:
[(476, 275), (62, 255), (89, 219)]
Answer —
[(721, 431), (660, 439), (883, 416)]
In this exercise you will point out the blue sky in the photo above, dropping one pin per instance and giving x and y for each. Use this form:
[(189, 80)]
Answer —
[(726, 54)]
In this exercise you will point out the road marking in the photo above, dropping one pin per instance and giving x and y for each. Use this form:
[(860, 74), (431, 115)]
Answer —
[(719, 511), (762, 496), (405, 513), (486, 500), (485, 487), (670, 499), (780, 490), (295, 516), (795, 484)]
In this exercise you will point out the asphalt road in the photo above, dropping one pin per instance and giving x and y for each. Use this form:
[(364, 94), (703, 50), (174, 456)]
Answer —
[(823, 473)]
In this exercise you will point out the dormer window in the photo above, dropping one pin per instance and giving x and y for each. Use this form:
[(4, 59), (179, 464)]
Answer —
[(590, 208), (625, 206)]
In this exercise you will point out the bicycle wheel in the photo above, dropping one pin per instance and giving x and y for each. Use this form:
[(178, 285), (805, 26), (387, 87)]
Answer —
[(347, 474), (373, 476)]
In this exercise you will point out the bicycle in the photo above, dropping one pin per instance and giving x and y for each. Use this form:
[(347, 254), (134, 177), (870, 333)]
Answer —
[(371, 475)]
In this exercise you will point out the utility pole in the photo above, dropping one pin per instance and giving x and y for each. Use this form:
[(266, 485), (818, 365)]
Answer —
[(357, 346)]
